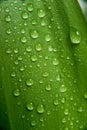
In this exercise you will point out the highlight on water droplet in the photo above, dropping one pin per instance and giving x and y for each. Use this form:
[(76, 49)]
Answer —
[(40, 108), (34, 34), (16, 92), (30, 7), (29, 82), (41, 13), (75, 35), (33, 123), (25, 15), (29, 106)]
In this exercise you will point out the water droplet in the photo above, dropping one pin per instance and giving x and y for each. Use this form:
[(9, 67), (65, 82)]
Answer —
[(20, 58), (85, 96), (63, 89), (23, 39), (49, 113), (13, 74), (30, 7), (21, 68), (47, 37), (45, 74), (33, 22), (8, 31), (40, 109), (7, 10), (58, 78), (41, 119), (16, 93), (8, 51), (33, 123), (16, 51), (63, 120), (48, 87), (80, 109), (50, 48), (43, 23), (38, 47), (75, 35), (55, 62), (29, 106), (8, 18), (34, 34), (29, 82), (28, 49), (23, 116), (56, 102), (66, 112), (25, 15), (34, 58), (41, 13)]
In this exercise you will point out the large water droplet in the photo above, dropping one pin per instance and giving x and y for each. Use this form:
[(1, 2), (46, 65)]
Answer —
[(16, 92), (8, 18), (25, 15), (29, 82), (34, 58), (41, 13), (38, 47), (33, 123), (40, 108), (85, 96), (29, 106), (75, 35), (30, 7), (34, 34)]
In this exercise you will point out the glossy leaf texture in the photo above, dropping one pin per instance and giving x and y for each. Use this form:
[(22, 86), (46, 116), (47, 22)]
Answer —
[(43, 65)]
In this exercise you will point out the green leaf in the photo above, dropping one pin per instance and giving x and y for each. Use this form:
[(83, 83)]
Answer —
[(43, 65)]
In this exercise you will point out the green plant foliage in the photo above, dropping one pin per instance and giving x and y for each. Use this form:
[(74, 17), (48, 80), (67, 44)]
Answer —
[(43, 65)]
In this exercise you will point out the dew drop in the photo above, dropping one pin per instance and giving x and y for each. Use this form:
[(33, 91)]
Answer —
[(28, 49), (13, 74), (38, 47), (63, 120), (30, 7), (80, 109), (85, 96), (48, 87), (47, 38), (23, 39), (8, 51), (8, 18), (66, 112), (75, 35), (40, 109), (43, 23), (63, 89), (21, 68), (45, 74), (33, 123), (56, 102), (25, 15), (29, 82), (41, 13), (29, 106), (34, 34), (8, 31), (34, 58), (16, 51), (16, 93), (55, 62)]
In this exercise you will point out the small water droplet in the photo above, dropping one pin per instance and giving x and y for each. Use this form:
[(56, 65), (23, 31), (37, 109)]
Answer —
[(55, 62), (34, 34), (25, 15), (49, 113), (66, 112), (8, 18), (43, 22), (8, 31), (16, 51), (80, 109), (13, 74), (63, 89), (45, 74), (29, 82), (40, 109), (33, 123), (41, 13), (47, 38), (28, 49), (38, 47), (33, 22), (16, 92), (34, 58), (30, 7), (85, 96), (63, 120), (8, 51), (29, 106), (23, 39), (56, 102), (21, 68), (48, 87), (75, 35), (50, 48)]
